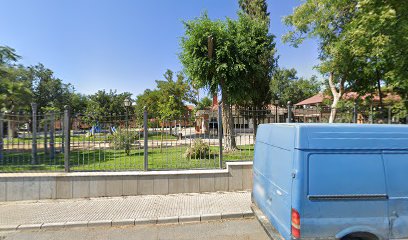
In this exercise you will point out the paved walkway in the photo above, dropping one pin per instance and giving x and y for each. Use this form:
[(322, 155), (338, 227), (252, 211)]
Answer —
[(234, 229), (124, 210)]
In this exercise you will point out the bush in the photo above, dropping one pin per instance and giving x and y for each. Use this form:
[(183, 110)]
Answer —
[(199, 149), (124, 140)]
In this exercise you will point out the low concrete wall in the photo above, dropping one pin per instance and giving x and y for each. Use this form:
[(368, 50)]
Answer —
[(34, 186)]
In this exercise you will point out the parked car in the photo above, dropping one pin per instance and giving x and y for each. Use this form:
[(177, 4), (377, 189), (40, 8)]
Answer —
[(332, 181)]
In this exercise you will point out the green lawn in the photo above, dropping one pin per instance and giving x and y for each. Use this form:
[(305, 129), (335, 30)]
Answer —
[(85, 138), (116, 160), (159, 136)]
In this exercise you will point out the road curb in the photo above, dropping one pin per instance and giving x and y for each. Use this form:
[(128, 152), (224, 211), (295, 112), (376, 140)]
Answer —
[(8, 227), (232, 215), (187, 219), (53, 225), (211, 217), (29, 226), (131, 222), (76, 224), (164, 220), (123, 222), (99, 223)]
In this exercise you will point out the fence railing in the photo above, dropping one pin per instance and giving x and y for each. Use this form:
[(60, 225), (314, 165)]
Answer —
[(63, 141)]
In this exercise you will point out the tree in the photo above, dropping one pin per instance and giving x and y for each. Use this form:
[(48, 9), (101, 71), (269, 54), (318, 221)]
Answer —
[(359, 42), (106, 105), (15, 91), (8, 56), (205, 103), (325, 20), (78, 102), (49, 92), (173, 96), (398, 76), (263, 62), (257, 9), (149, 99), (232, 63), (167, 102), (14, 84), (286, 86)]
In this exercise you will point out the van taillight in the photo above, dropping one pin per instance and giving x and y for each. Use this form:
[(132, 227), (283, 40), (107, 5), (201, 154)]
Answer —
[(295, 223)]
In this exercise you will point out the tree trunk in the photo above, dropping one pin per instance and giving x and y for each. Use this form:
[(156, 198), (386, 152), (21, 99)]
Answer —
[(228, 127), (227, 122), (336, 96), (161, 137), (255, 120), (333, 111), (11, 129), (379, 89)]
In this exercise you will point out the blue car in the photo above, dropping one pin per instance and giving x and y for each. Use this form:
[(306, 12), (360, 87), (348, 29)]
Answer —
[(332, 181)]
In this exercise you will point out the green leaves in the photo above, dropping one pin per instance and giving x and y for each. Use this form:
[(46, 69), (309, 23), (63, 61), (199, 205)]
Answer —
[(103, 105), (8, 55), (243, 56), (167, 101), (286, 86), (362, 42)]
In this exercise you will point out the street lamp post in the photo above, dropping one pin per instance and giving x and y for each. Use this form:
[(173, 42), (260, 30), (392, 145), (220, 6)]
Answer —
[(276, 110), (127, 102)]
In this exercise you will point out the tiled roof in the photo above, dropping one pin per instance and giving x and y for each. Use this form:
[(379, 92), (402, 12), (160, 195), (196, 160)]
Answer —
[(318, 98)]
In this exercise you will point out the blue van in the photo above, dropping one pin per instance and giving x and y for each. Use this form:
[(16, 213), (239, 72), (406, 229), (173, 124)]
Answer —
[(332, 181)]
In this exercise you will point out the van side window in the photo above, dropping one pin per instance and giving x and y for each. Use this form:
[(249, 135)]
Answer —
[(345, 174)]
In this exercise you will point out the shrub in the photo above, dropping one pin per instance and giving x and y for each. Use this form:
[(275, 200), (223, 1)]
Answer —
[(124, 140), (199, 149)]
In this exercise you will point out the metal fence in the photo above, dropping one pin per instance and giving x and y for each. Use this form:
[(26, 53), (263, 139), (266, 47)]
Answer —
[(85, 142)]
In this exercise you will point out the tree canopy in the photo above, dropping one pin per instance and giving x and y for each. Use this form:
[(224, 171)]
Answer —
[(359, 41), (241, 54), (103, 105), (204, 103), (168, 100), (15, 84), (257, 9), (49, 92), (287, 86)]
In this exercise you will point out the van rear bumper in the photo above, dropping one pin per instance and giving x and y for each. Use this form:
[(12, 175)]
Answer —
[(267, 226)]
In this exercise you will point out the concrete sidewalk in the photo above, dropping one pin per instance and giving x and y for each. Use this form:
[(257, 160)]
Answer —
[(147, 209)]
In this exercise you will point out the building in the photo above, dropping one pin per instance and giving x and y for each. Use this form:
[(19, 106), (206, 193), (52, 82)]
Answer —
[(316, 109), (207, 119)]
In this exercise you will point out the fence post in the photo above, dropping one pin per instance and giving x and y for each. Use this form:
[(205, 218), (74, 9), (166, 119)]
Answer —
[(145, 139), (67, 136), (389, 115), (220, 133), (1, 137), (289, 120), (45, 135), (355, 113), (34, 134), (52, 139)]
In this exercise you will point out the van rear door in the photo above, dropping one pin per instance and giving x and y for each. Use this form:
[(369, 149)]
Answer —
[(396, 167), (273, 185)]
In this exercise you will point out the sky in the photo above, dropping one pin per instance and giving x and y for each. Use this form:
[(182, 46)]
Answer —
[(124, 44)]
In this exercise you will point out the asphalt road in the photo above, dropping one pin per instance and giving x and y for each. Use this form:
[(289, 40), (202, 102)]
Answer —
[(240, 229)]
